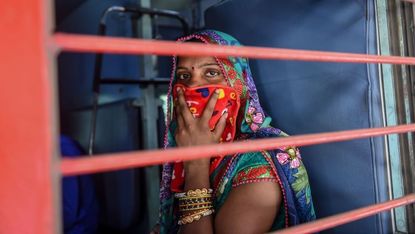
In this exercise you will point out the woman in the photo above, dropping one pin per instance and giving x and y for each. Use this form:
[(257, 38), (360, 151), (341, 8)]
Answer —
[(244, 193)]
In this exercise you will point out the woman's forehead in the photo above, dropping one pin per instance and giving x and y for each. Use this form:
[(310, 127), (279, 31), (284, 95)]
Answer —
[(194, 60)]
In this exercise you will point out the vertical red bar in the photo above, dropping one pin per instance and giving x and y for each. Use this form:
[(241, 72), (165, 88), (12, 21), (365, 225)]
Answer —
[(28, 161)]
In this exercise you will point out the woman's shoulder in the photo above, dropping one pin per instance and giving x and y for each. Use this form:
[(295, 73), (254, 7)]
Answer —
[(283, 155), (283, 161), (252, 158), (253, 167)]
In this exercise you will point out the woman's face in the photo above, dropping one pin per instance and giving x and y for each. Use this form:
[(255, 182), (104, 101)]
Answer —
[(199, 71)]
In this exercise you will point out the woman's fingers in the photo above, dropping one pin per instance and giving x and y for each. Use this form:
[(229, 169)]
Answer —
[(220, 126), (210, 106), (179, 118), (183, 108)]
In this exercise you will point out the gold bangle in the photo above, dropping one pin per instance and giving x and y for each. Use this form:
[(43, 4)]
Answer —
[(195, 217), (194, 201), (195, 207), (195, 193), (193, 198), (195, 204), (192, 213), (192, 208)]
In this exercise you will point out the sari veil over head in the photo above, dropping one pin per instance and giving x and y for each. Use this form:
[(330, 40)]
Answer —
[(282, 165)]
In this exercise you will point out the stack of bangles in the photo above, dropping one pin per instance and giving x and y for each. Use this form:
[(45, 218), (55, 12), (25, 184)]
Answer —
[(194, 204)]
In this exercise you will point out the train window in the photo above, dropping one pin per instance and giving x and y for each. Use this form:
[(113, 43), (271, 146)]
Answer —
[(396, 37)]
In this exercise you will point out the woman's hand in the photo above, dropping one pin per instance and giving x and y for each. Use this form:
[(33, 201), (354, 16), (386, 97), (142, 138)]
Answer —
[(191, 131), (195, 131)]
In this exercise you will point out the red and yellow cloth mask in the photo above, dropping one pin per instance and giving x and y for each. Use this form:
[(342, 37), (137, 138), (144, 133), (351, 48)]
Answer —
[(197, 99)]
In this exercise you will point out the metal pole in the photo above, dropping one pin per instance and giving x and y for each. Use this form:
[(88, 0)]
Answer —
[(29, 159), (83, 43), (150, 116), (154, 157)]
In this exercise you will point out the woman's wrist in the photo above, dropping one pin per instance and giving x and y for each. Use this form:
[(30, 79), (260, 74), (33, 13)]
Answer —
[(196, 176), (197, 165)]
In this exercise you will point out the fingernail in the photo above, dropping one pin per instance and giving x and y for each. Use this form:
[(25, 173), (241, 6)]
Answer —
[(178, 89), (217, 91)]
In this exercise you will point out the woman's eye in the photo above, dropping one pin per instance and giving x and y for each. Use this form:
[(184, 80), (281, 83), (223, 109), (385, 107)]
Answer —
[(212, 73), (183, 76)]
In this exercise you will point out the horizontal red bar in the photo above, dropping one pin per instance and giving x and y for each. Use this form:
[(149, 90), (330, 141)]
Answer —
[(347, 217), (153, 157), (79, 43)]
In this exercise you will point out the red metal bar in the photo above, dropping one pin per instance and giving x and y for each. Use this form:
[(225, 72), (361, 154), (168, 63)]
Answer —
[(27, 121), (347, 217), (153, 157), (78, 43)]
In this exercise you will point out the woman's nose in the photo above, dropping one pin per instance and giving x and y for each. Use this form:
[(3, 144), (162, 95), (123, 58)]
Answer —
[(196, 80)]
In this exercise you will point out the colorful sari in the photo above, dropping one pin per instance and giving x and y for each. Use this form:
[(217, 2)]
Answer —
[(282, 166)]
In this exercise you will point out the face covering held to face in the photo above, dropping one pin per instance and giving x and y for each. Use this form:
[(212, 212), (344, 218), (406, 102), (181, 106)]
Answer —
[(196, 99)]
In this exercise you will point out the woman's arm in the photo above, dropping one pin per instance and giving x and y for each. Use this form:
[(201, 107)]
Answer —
[(250, 208), (190, 132)]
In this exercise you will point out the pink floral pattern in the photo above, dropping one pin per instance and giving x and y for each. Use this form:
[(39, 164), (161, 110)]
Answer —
[(289, 155), (253, 118)]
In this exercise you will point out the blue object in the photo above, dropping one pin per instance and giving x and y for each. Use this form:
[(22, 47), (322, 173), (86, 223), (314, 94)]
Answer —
[(80, 208)]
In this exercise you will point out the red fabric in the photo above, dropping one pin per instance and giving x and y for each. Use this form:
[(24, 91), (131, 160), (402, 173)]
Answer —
[(196, 99), (255, 173)]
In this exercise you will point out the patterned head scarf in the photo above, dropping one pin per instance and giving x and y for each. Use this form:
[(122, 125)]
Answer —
[(251, 122)]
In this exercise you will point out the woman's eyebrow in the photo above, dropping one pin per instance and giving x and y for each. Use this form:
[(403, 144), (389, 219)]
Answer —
[(200, 66), (208, 64)]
